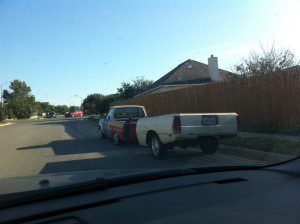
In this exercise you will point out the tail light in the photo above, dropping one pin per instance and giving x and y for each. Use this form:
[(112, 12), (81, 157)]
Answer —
[(238, 120), (176, 125)]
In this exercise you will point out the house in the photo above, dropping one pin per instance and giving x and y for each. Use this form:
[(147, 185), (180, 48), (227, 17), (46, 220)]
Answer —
[(187, 74)]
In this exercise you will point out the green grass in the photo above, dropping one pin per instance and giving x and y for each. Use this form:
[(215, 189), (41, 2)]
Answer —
[(263, 144), (94, 119), (272, 129)]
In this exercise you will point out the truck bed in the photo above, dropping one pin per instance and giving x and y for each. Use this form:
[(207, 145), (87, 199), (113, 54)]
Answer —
[(193, 125)]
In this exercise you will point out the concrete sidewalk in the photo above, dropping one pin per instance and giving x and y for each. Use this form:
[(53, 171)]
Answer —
[(270, 136), (256, 155)]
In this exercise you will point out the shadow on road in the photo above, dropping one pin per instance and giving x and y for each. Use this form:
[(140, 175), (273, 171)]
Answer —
[(72, 146), (76, 128), (139, 158), (84, 140)]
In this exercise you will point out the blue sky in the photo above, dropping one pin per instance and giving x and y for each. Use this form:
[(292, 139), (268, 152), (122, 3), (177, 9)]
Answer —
[(63, 48)]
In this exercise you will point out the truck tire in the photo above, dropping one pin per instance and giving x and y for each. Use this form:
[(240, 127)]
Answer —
[(159, 151), (116, 138), (208, 145), (101, 134)]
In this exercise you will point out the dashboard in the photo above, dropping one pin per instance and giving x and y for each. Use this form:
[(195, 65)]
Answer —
[(268, 195)]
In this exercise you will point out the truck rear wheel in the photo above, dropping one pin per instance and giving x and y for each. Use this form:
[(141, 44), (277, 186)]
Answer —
[(208, 145), (159, 151), (101, 134), (116, 138)]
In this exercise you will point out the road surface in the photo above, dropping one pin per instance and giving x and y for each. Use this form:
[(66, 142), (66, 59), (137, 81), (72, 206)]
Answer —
[(48, 146)]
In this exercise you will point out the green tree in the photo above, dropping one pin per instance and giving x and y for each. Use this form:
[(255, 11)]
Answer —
[(128, 90), (266, 61), (73, 108), (61, 109), (38, 108), (19, 99), (92, 104), (140, 83), (106, 102), (8, 113), (43, 107), (2, 114)]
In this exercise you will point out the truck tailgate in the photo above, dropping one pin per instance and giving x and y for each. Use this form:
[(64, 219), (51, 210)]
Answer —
[(208, 124)]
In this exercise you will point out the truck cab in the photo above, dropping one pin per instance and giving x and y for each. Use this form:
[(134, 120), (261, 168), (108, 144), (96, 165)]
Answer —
[(120, 123)]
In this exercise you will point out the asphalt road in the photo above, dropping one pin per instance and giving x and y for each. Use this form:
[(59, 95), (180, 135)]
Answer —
[(71, 144)]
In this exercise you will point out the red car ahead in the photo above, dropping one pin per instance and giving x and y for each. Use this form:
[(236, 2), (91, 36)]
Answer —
[(77, 113)]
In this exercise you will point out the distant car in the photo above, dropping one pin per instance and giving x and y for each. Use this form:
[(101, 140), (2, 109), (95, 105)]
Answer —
[(68, 114), (77, 113), (51, 115)]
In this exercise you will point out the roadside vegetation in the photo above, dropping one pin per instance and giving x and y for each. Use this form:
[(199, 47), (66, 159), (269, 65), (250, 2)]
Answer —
[(19, 103), (266, 61), (2, 116), (97, 103), (94, 118), (273, 129), (264, 144)]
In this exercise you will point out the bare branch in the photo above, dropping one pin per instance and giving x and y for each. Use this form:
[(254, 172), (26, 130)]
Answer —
[(266, 61)]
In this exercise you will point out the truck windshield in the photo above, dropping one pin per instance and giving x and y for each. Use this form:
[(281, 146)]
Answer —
[(127, 112)]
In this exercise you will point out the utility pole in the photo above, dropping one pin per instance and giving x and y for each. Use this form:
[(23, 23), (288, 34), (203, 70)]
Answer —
[(80, 99), (1, 98)]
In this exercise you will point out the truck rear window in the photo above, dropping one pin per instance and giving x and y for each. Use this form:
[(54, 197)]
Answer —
[(126, 112)]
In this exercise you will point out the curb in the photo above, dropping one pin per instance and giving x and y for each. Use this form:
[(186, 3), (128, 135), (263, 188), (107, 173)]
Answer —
[(254, 154), (291, 138), (5, 124), (90, 122)]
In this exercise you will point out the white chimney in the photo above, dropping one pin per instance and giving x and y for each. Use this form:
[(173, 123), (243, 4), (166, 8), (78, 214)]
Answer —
[(213, 70)]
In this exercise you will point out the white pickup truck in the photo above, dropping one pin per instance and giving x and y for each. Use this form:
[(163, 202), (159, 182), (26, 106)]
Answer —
[(167, 131), (184, 130)]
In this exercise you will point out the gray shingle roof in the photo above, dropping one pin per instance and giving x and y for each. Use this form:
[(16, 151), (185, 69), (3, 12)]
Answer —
[(188, 72)]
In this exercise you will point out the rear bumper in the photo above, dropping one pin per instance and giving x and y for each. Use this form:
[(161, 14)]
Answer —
[(175, 138), (193, 140)]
